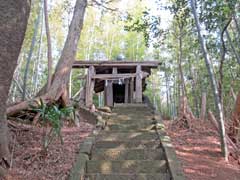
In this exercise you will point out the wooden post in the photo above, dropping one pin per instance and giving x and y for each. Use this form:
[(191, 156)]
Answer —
[(131, 90), (108, 90), (138, 84), (89, 87), (114, 70), (82, 96), (108, 93), (126, 91)]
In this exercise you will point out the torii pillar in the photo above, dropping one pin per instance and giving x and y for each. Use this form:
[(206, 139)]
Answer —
[(138, 84), (108, 93), (108, 90), (126, 97), (89, 86)]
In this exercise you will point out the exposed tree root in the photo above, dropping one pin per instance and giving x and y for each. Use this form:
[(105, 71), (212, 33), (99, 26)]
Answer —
[(36, 118), (185, 118), (58, 91), (233, 148), (54, 95), (234, 129)]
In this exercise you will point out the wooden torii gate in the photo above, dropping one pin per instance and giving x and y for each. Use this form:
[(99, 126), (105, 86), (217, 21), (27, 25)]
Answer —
[(121, 81)]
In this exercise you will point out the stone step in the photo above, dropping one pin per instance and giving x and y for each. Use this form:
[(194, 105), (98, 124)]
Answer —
[(127, 154), (130, 122), (129, 127), (134, 120), (126, 166), (130, 105), (152, 144), (132, 136), (131, 113), (133, 109), (157, 176), (116, 107), (130, 131)]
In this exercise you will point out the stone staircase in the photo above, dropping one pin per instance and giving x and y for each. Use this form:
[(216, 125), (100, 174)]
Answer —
[(128, 149)]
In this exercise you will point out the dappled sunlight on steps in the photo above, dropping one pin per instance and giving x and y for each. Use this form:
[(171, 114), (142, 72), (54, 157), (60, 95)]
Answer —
[(129, 148)]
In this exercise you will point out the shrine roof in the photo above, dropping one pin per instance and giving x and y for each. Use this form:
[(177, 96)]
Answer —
[(119, 64)]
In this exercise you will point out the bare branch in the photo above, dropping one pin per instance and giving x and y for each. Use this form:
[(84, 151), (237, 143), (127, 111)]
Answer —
[(103, 4)]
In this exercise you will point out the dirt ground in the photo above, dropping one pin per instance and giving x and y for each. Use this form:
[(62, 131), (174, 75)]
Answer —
[(200, 153), (28, 162), (198, 149)]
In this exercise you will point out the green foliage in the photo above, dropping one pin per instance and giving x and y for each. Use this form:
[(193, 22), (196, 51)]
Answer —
[(180, 10), (103, 36), (147, 24), (107, 34), (215, 13), (51, 115)]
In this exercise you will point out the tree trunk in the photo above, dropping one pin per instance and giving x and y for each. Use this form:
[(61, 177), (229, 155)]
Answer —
[(233, 94), (232, 47), (203, 106), (223, 53), (183, 86), (237, 28), (184, 109), (194, 88), (175, 96), (49, 45), (213, 83), (20, 88), (235, 126), (39, 56), (60, 81), (13, 19), (214, 122), (167, 92), (59, 87), (70, 86), (25, 78)]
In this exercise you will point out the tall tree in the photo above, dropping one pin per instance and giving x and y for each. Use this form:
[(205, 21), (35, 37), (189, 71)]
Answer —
[(59, 86), (213, 82), (49, 44), (13, 19), (33, 42), (58, 90), (35, 79), (181, 16)]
